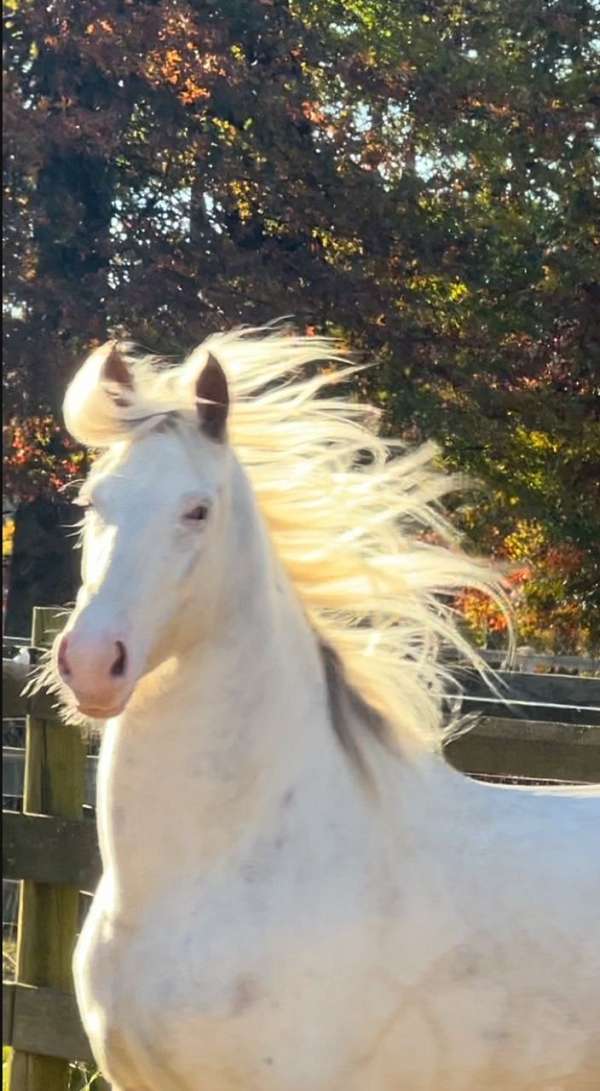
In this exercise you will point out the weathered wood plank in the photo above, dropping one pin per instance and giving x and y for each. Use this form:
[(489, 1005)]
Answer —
[(46, 849), (48, 915), (534, 696), (541, 659), (8, 1008), (547, 732), (552, 688), (530, 749), (45, 1022)]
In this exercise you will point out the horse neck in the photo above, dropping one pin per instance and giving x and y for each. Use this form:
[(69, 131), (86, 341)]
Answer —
[(238, 721)]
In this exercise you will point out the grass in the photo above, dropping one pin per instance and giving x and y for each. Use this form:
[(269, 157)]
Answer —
[(9, 958), (81, 1077), (9, 951)]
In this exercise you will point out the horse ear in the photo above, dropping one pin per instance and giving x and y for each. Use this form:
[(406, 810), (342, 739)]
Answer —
[(213, 399), (115, 369)]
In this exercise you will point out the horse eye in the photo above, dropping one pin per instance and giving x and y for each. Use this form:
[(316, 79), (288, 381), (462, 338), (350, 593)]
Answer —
[(197, 514)]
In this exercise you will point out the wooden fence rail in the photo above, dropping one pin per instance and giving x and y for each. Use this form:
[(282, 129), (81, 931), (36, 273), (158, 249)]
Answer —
[(39, 1021), (41, 1014), (44, 849), (529, 661), (546, 728)]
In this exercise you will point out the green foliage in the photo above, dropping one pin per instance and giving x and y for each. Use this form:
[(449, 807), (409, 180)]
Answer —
[(420, 178)]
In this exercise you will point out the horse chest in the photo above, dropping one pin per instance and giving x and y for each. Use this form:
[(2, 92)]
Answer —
[(282, 977), (224, 983), (194, 1004)]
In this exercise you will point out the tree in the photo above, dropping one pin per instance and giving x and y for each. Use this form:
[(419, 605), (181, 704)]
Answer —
[(39, 528), (418, 178)]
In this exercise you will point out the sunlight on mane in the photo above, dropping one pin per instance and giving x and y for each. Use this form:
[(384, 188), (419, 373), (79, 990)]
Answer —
[(349, 512)]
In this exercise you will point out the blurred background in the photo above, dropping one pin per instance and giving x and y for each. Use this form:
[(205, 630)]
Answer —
[(417, 177)]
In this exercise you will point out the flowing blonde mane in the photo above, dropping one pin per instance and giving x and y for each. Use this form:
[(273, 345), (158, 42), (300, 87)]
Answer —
[(356, 519)]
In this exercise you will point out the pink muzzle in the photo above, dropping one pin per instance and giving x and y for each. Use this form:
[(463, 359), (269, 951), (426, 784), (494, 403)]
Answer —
[(96, 670)]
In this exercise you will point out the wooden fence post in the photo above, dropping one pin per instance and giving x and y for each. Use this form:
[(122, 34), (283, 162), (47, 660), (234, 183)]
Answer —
[(48, 915)]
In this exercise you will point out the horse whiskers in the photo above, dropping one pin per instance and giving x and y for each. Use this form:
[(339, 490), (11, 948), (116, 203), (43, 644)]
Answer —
[(45, 676)]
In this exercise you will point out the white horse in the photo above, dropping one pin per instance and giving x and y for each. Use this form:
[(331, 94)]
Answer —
[(298, 893)]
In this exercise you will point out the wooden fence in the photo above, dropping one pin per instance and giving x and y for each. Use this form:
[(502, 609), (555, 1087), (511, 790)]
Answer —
[(52, 850), (545, 728), (529, 661)]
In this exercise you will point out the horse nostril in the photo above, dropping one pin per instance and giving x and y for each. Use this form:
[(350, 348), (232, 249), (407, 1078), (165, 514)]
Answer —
[(63, 662), (120, 664)]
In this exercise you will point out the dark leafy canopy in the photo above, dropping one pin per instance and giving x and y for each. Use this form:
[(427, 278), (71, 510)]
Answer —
[(417, 176)]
